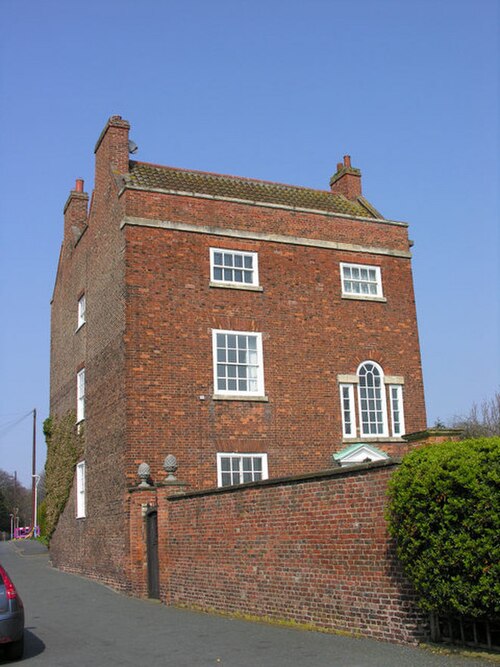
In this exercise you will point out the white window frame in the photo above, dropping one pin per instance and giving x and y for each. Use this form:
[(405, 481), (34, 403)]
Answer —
[(80, 395), (81, 312), (347, 395), (384, 433), (232, 282), (238, 456), (397, 405), (81, 510), (259, 365), (377, 296)]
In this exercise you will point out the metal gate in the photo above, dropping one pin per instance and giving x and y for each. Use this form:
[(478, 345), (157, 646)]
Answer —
[(152, 554), (476, 632)]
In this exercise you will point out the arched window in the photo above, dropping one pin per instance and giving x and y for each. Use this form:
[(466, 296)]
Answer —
[(372, 401)]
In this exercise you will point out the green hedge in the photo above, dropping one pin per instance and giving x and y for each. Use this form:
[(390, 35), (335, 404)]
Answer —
[(444, 511)]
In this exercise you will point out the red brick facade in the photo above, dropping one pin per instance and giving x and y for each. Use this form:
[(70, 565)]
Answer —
[(141, 256)]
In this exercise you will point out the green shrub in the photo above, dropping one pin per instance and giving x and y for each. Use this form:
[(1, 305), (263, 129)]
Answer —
[(444, 511)]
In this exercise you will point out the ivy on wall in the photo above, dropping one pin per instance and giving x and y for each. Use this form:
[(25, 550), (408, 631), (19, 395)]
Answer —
[(64, 449)]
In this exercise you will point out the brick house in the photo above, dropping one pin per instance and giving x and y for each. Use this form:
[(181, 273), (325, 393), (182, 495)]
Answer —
[(252, 329)]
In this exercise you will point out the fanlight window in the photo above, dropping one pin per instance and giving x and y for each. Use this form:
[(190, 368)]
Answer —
[(373, 416)]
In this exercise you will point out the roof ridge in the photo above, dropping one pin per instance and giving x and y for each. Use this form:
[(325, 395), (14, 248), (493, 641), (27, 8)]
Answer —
[(149, 176), (238, 178)]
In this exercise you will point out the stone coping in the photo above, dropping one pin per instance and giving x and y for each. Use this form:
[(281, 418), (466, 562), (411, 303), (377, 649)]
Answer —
[(433, 433), (342, 471)]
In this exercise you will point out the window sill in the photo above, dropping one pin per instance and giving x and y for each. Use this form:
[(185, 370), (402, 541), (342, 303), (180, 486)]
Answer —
[(239, 397), (364, 297), (378, 438), (247, 288), (239, 484)]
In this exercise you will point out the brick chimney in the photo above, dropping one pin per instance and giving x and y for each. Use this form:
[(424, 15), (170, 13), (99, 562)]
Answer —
[(112, 149), (346, 180), (75, 213)]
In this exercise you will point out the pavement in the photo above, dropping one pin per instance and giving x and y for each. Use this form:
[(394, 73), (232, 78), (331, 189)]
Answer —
[(71, 620), (28, 547)]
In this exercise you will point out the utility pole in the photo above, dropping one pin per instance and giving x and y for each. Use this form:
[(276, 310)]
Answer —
[(15, 508), (33, 476), (35, 521)]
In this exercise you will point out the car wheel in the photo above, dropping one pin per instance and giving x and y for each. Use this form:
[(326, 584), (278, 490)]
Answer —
[(15, 650)]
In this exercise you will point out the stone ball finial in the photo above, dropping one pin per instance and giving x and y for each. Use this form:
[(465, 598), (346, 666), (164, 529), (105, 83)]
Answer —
[(144, 472), (170, 465)]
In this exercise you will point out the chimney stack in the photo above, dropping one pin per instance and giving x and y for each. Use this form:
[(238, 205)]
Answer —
[(75, 213), (112, 149), (346, 180)]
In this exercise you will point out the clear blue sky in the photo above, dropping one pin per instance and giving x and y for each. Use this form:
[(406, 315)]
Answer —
[(274, 89)]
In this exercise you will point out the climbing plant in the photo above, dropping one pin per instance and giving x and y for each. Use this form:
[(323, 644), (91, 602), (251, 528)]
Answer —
[(444, 511), (64, 448)]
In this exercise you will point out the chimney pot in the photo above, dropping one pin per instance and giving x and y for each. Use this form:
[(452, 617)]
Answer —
[(79, 185), (347, 180)]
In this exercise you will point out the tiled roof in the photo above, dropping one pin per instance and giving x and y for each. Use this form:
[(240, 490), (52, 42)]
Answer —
[(152, 177)]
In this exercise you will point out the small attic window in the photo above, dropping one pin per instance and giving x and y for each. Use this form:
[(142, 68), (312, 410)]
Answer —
[(234, 268), (360, 281)]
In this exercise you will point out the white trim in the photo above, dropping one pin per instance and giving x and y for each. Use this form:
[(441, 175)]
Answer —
[(378, 439), (389, 383), (247, 288), (80, 395), (378, 296), (253, 270), (383, 402), (364, 297), (241, 455), (360, 454), (81, 308), (259, 365), (262, 236), (81, 509), (239, 397), (400, 409), (350, 409)]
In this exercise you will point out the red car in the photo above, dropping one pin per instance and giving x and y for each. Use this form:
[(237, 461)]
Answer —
[(11, 618)]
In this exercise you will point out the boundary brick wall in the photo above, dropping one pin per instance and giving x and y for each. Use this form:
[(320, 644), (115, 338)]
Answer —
[(312, 549)]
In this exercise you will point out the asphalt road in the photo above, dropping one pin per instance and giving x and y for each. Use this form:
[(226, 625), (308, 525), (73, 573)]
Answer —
[(73, 621)]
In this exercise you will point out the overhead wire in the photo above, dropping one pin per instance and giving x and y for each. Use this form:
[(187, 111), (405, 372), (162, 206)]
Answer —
[(8, 426)]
